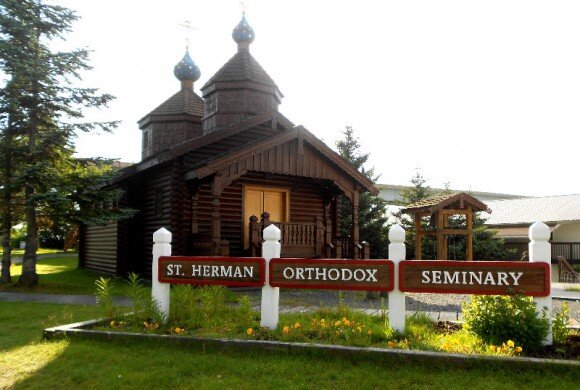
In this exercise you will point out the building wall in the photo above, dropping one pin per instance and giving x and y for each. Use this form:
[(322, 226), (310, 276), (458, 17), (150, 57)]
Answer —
[(99, 247), (567, 233)]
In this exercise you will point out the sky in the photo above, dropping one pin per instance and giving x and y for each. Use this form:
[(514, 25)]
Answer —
[(483, 95)]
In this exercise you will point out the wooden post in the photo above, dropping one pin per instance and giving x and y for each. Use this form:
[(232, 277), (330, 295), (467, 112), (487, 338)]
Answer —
[(215, 216), (396, 297), (338, 248), (160, 291), (319, 237), (366, 250), (469, 238), (441, 255), (540, 250), (418, 237), (355, 231), (327, 229), (254, 236), (270, 295), (266, 220)]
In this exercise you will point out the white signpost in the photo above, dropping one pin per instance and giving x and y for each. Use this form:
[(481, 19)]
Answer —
[(401, 279)]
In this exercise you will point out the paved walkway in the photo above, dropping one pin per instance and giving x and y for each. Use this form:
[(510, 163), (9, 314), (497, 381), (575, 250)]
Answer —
[(57, 298), (18, 259), (559, 291)]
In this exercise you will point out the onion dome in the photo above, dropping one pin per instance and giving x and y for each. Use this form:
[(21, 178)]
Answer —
[(243, 34), (186, 69)]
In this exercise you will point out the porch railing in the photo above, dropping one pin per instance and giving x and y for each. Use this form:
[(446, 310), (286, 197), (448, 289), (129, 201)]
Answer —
[(304, 240)]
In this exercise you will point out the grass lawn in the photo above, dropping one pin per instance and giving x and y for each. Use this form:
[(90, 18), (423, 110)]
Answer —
[(28, 362), (61, 275), (41, 251)]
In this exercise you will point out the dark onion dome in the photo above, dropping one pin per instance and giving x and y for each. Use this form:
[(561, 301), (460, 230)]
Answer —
[(186, 69), (243, 33)]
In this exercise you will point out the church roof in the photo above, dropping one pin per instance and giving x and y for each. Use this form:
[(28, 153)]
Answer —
[(242, 67), (183, 102)]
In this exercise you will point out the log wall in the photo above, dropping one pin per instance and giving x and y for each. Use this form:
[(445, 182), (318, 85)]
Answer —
[(100, 247)]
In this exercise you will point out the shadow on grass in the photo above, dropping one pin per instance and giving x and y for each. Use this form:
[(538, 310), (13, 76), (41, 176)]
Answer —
[(61, 275)]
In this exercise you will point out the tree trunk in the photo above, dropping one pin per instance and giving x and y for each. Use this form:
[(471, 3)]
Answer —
[(7, 251), (29, 277), (6, 207)]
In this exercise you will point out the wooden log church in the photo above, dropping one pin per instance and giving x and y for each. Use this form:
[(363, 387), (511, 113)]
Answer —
[(217, 169)]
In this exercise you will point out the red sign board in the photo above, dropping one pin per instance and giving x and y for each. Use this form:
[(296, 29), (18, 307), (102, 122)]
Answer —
[(332, 274), (474, 277), (224, 271)]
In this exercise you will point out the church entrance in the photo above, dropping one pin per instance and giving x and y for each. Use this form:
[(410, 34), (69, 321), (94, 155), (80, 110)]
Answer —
[(258, 200)]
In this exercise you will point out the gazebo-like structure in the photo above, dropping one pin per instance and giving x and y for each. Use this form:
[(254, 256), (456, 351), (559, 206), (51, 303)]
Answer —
[(439, 209)]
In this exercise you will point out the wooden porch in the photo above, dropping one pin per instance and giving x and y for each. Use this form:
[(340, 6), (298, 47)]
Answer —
[(306, 240)]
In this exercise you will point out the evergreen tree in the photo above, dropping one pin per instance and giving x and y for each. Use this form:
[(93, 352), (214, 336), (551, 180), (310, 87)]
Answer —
[(372, 217), (47, 110)]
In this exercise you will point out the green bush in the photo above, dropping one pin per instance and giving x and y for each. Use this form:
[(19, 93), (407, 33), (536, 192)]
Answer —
[(104, 297), (497, 319), (560, 323)]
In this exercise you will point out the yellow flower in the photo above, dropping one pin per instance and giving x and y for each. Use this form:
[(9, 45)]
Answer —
[(322, 321), (337, 323), (286, 330), (154, 325), (391, 344), (518, 349), (297, 325), (178, 330), (359, 329), (510, 344), (146, 324), (113, 323), (250, 331), (370, 332)]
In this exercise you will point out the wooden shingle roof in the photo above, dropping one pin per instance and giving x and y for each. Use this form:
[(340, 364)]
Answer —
[(183, 102), (457, 201), (242, 67)]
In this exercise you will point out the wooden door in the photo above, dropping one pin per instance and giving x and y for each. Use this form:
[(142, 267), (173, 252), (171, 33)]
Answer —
[(257, 200), (274, 204)]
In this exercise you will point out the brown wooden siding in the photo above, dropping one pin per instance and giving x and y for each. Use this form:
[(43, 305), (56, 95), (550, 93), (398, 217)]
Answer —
[(158, 180), (100, 247)]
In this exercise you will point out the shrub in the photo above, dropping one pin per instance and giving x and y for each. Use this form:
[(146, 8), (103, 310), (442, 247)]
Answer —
[(144, 307), (560, 323), (104, 296), (497, 319)]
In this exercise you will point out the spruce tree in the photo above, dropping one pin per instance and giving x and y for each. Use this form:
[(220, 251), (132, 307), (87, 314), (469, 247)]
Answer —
[(48, 106), (372, 217)]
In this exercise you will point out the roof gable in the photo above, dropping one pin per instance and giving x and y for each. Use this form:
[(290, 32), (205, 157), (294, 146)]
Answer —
[(435, 203), (273, 121), (294, 152)]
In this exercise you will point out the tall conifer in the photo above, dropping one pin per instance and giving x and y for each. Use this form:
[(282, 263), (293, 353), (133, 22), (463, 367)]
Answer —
[(49, 108)]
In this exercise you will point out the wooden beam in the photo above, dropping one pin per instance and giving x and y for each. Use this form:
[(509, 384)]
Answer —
[(469, 243), (441, 255), (418, 238), (355, 230), (455, 212), (215, 215)]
